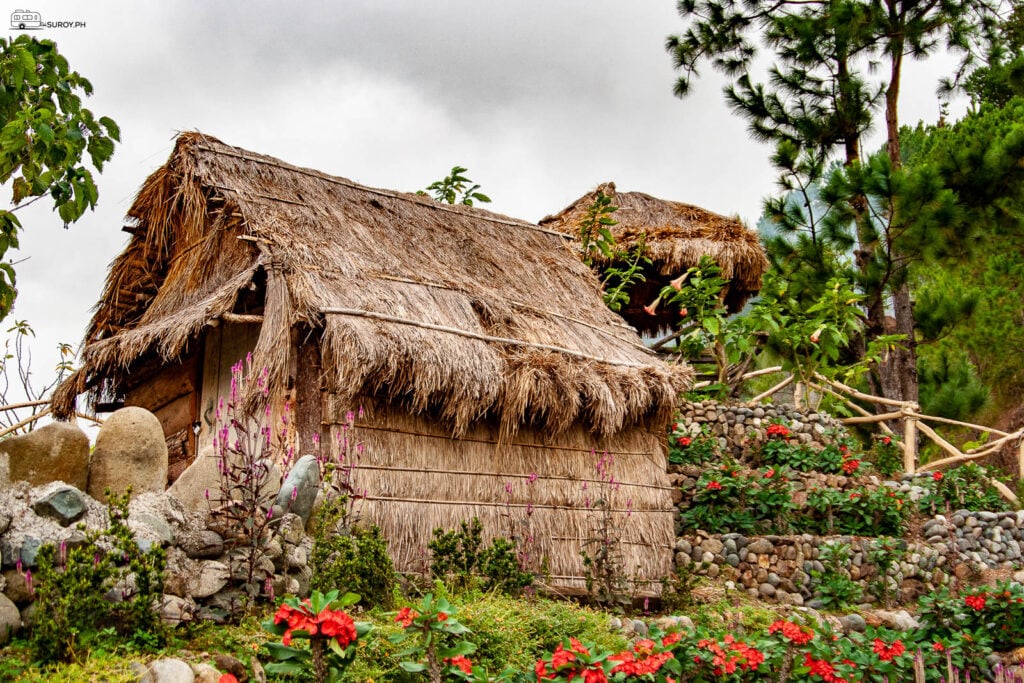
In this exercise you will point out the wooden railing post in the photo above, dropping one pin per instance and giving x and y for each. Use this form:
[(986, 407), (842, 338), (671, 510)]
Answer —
[(909, 443), (1020, 460)]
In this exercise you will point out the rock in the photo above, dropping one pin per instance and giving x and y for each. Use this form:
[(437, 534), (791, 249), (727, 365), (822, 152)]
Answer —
[(10, 619), (899, 621), (299, 489), (640, 628), (58, 451), (29, 549), (157, 526), (130, 452), (176, 610), (140, 672), (201, 543), (210, 578), (205, 673), (761, 546), (853, 623), (231, 665), (766, 590), (65, 504), (712, 545), (171, 670), (5, 520)]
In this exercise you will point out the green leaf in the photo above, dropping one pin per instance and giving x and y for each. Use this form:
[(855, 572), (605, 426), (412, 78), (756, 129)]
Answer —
[(412, 667)]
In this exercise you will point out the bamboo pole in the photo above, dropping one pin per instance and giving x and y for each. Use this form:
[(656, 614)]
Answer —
[(866, 419), (996, 444), (26, 404), (934, 436), (765, 394), (31, 418), (862, 396), (821, 387), (1020, 460), (958, 423), (910, 424), (763, 371), (798, 396)]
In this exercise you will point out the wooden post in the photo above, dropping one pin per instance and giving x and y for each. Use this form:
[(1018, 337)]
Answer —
[(798, 394), (1020, 460), (909, 443)]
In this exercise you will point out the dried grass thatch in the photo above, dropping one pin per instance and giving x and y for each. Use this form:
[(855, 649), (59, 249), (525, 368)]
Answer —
[(469, 314), (676, 235)]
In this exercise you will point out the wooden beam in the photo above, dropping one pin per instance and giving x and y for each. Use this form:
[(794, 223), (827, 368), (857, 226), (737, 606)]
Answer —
[(765, 394), (862, 396), (934, 436), (872, 418), (958, 423), (241, 318)]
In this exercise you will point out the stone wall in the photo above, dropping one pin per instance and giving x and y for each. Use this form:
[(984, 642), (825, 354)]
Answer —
[(740, 427)]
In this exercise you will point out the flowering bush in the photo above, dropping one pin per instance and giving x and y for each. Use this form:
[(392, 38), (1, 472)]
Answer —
[(886, 454), (685, 448), (997, 611), (729, 500), (429, 630), (331, 632), (860, 511), (964, 488)]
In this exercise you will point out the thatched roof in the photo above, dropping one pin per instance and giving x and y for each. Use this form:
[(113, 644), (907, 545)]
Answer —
[(449, 308), (676, 236)]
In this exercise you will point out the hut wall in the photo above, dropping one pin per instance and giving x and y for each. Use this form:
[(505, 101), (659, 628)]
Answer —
[(417, 478), (170, 394)]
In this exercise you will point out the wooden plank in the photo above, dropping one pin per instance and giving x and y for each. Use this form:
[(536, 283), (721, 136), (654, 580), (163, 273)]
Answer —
[(164, 387), (309, 393), (176, 415)]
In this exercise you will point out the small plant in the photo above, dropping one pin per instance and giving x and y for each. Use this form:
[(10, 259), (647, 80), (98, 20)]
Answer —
[(731, 500), (965, 488), (429, 630), (686, 448), (859, 511), (459, 557), (603, 560), (595, 229), (357, 559), (331, 632), (886, 455), (833, 585), (455, 188), (997, 610), (885, 553), (73, 590)]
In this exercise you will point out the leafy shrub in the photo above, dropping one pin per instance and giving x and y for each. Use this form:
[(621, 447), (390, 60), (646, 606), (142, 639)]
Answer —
[(354, 560), (886, 455), (965, 488), (833, 585), (100, 591), (860, 511), (727, 500), (458, 557), (996, 610), (685, 448)]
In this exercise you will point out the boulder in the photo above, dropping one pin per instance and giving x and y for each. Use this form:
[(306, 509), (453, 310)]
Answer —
[(205, 673), (171, 671), (202, 477), (130, 452), (175, 610), (10, 619), (65, 504), (299, 489), (58, 451)]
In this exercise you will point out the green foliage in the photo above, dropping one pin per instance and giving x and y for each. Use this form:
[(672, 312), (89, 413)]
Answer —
[(356, 560), (860, 511), (455, 188), (993, 614), (685, 448), (432, 635), (886, 454), (459, 557), (968, 487), (728, 500), (617, 281), (44, 134), (595, 229), (950, 387), (833, 586), (76, 610), (885, 553)]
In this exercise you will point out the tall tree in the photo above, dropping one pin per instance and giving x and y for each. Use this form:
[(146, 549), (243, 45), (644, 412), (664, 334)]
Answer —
[(821, 96), (44, 134)]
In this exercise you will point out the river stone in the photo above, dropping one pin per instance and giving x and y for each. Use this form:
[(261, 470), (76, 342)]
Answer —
[(130, 452), (852, 623), (761, 546), (210, 578), (65, 504), (171, 671), (58, 451), (10, 619), (299, 489)]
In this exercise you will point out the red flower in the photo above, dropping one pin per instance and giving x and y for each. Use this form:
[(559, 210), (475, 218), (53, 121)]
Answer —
[(297, 620), (683, 312), (939, 647), (461, 663), (685, 441), (851, 466), (671, 639), (822, 669), (405, 616), (796, 634), (886, 440), (937, 476), (713, 486), (338, 625), (560, 657), (442, 616), (227, 678), (769, 473), (541, 670), (976, 602), (888, 652), (854, 496), (778, 430)]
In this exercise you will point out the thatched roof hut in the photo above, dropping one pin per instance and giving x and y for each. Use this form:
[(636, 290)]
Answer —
[(477, 344), (676, 235)]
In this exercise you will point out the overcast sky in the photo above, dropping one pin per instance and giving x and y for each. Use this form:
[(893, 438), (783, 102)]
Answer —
[(541, 100)]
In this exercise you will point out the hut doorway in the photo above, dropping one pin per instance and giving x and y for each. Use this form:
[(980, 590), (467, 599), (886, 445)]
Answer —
[(223, 346)]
